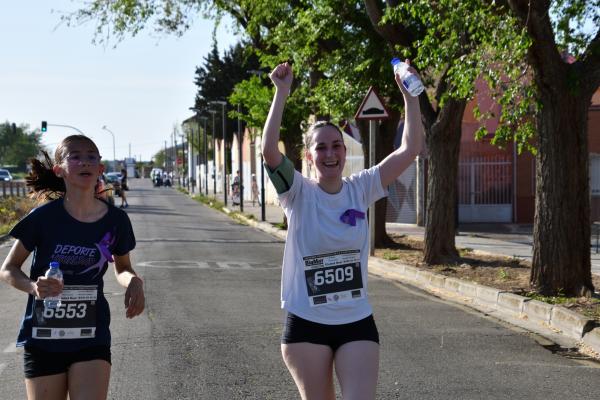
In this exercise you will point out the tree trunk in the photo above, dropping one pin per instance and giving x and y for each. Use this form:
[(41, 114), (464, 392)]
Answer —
[(443, 143), (561, 235)]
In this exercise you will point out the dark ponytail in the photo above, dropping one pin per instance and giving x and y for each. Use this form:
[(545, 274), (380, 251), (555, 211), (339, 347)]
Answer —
[(42, 181)]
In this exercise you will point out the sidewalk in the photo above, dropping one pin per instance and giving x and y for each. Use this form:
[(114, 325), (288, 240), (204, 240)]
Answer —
[(559, 324), (512, 240), (273, 213)]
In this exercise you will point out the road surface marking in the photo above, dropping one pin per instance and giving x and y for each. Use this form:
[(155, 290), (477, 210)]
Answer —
[(11, 348), (191, 264)]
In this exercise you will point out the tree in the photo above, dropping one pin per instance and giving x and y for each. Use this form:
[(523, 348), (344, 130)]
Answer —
[(16, 148), (452, 43), (160, 159), (217, 77), (561, 251)]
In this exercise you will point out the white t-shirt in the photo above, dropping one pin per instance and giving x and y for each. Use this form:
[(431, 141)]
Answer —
[(324, 276)]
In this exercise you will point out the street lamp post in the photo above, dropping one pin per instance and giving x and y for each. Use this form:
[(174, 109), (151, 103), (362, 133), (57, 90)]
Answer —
[(259, 73), (240, 155), (213, 112), (186, 180), (204, 119), (113, 138), (191, 163), (223, 104)]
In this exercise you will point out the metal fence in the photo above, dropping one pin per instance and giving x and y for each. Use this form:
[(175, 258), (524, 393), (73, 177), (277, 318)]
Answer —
[(485, 180), (485, 189), (12, 188)]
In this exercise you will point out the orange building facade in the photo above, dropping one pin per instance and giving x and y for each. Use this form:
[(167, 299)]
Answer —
[(497, 184)]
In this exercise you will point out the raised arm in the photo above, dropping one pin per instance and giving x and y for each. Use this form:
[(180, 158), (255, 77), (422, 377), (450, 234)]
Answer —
[(282, 77), (412, 140)]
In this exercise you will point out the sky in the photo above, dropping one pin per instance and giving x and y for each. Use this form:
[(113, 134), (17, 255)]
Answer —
[(139, 90)]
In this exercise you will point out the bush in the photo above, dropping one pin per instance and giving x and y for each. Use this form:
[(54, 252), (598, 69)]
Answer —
[(12, 209)]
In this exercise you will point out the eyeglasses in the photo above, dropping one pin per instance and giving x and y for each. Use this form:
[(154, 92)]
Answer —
[(79, 159)]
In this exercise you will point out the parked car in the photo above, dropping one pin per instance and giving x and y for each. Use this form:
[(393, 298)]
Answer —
[(5, 175), (114, 178)]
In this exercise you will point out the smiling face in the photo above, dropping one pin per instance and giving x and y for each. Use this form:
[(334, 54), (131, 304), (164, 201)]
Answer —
[(77, 161), (327, 152)]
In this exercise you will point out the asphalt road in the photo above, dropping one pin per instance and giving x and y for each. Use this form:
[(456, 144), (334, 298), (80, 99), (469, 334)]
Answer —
[(212, 324)]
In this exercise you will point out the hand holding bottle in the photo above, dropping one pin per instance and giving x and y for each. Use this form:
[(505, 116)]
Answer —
[(407, 78), (53, 277), (45, 287)]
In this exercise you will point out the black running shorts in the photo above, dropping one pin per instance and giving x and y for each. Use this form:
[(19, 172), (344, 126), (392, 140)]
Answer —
[(299, 330), (41, 363)]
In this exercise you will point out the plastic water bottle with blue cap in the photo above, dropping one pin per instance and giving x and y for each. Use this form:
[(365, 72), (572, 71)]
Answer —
[(53, 272), (410, 81)]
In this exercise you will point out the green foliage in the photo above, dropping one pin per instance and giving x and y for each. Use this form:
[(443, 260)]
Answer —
[(216, 79), (390, 256), (12, 209), (116, 19), (560, 298), (503, 274), (466, 42), (572, 21), (255, 98), (17, 148), (159, 159)]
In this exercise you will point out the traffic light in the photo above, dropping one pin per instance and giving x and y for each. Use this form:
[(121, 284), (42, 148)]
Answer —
[(44, 126)]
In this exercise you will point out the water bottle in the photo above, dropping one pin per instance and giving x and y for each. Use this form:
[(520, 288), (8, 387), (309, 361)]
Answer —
[(411, 82), (53, 272)]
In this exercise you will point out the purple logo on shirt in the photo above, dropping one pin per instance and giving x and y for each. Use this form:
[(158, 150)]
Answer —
[(349, 216), (105, 254)]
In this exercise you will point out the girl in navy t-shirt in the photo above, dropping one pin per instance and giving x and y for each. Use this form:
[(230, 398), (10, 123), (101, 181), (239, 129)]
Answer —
[(67, 349)]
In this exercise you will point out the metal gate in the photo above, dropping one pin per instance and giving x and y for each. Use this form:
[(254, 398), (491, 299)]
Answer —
[(485, 189), (402, 198)]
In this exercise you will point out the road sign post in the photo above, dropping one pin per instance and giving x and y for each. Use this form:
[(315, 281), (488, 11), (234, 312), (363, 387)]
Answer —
[(372, 109)]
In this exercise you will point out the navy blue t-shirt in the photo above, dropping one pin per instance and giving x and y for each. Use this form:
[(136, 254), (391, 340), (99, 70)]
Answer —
[(83, 251)]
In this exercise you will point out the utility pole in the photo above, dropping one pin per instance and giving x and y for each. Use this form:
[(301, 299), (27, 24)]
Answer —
[(259, 74), (172, 147), (223, 104), (213, 112), (183, 162), (113, 138), (205, 158), (241, 162)]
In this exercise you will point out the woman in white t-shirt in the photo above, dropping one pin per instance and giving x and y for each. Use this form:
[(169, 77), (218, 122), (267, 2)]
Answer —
[(324, 279)]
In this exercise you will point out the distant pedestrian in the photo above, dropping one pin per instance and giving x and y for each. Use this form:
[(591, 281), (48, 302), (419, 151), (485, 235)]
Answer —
[(235, 189), (67, 349), (124, 188), (329, 323), (254, 188)]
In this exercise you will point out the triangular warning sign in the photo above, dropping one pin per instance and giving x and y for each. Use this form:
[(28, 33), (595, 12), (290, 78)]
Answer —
[(372, 107)]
